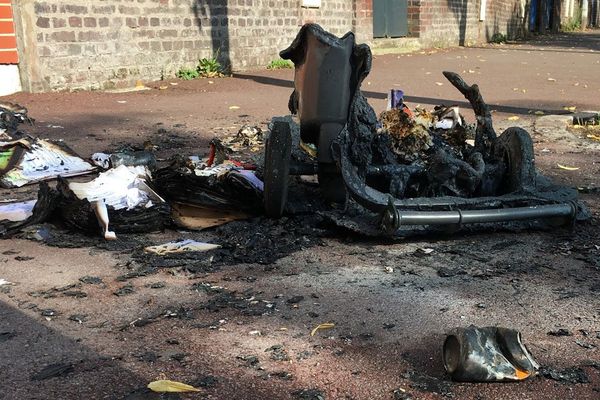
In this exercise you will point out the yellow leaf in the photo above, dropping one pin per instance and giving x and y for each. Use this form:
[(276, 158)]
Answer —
[(595, 137), (570, 108), (170, 386), (234, 108), (567, 168), (539, 113), (513, 118), (327, 325), (439, 83), (163, 87)]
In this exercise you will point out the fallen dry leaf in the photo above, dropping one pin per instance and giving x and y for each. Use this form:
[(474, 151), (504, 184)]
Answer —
[(595, 137), (326, 325), (567, 168), (570, 108), (166, 385), (439, 83), (234, 107), (539, 113), (513, 118), (551, 80)]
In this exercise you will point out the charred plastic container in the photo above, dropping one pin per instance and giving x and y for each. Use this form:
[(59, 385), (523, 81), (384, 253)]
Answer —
[(323, 85), (410, 173), (328, 72)]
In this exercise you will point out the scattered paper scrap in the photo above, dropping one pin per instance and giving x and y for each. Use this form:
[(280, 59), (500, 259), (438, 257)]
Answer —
[(181, 247), (326, 325), (567, 168), (18, 211), (166, 385)]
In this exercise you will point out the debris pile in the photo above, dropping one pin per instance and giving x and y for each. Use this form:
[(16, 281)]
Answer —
[(132, 194), (11, 115), (407, 167)]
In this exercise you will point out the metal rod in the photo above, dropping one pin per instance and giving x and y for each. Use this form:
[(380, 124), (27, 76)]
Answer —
[(565, 210)]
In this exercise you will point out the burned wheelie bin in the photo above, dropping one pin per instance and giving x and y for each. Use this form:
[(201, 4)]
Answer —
[(327, 75), (405, 168)]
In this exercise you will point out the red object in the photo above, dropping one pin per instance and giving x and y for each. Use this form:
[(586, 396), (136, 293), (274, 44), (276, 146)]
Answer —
[(211, 155), (8, 40)]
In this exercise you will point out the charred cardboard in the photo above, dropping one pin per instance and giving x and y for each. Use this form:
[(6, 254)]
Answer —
[(221, 187), (198, 218), (32, 160)]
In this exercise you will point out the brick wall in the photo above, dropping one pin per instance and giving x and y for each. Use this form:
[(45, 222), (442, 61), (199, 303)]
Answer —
[(96, 44), (456, 22), (506, 17), (449, 22)]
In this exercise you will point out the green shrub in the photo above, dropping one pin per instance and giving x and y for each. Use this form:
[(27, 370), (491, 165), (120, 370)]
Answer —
[(206, 68), (573, 24), (280, 64), (187, 73), (498, 38), (210, 67)]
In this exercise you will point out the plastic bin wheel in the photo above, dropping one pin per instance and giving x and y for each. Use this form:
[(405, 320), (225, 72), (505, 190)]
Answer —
[(278, 150)]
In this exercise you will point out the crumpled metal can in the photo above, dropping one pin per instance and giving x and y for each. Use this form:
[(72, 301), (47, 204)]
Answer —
[(488, 354)]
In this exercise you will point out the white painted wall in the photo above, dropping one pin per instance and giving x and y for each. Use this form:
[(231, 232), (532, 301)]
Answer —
[(10, 81)]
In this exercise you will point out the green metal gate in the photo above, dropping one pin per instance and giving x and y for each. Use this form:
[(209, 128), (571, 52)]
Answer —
[(390, 18)]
